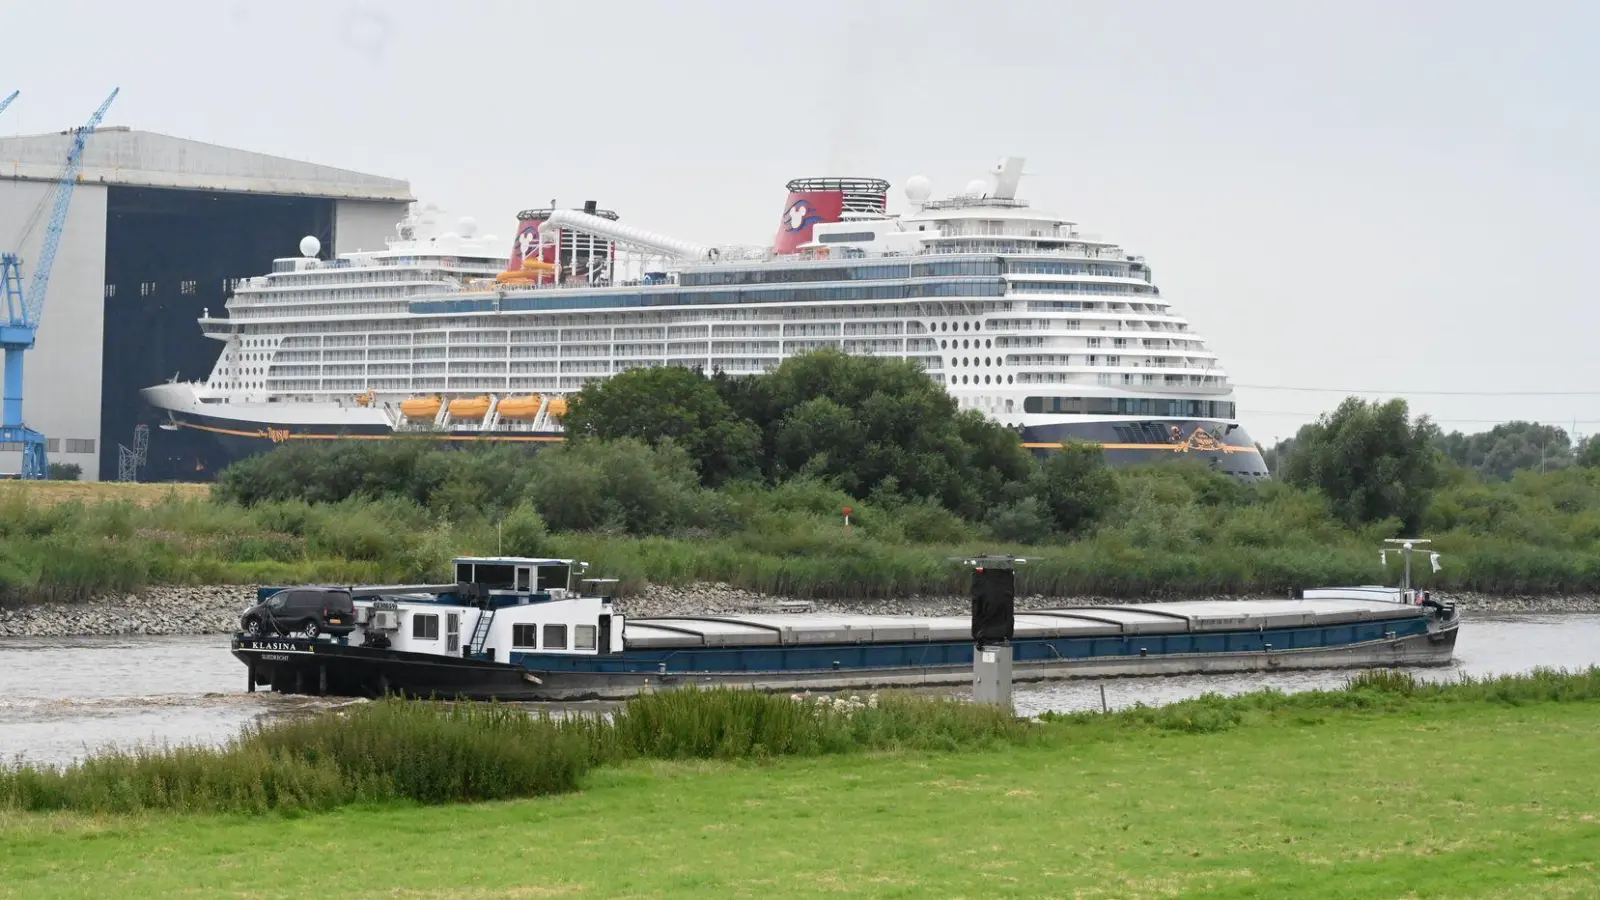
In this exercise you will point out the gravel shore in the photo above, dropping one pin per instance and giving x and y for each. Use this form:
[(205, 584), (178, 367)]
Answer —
[(215, 610)]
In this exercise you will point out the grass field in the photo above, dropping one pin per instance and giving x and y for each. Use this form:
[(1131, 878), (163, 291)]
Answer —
[(51, 493), (1465, 799)]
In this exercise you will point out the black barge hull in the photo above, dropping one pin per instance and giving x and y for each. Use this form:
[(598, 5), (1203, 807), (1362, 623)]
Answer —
[(291, 665), (303, 666)]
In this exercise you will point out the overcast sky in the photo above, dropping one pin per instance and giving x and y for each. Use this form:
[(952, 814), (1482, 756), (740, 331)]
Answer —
[(1393, 197)]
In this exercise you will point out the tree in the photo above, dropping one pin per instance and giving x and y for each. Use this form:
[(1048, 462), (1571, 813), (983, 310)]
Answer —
[(1275, 455), (669, 403), (1588, 454), (1075, 487), (1507, 448), (870, 423), (1370, 460)]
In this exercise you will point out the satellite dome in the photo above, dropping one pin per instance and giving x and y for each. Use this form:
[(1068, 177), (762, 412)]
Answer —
[(918, 188), (467, 227), (310, 246), (977, 187)]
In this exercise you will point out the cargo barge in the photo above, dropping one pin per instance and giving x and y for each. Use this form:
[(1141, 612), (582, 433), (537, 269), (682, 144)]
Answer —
[(518, 629)]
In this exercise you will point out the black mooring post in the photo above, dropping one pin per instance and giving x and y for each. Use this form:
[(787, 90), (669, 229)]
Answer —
[(322, 678), (250, 673), (993, 624)]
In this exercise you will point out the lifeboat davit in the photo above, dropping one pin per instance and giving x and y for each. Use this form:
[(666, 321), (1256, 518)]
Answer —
[(558, 406), (525, 407), (420, 407), (469, 407)]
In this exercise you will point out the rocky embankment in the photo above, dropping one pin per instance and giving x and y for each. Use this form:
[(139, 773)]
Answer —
[(215, 610)]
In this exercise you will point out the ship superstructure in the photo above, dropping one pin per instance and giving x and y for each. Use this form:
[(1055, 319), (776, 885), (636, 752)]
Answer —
[(1056, 334)]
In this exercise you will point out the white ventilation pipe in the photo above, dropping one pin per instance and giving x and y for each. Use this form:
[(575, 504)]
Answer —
[(628, 234)]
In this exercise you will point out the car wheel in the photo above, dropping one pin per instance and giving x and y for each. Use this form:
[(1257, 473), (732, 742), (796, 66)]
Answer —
[(252, 627), (311, 629)]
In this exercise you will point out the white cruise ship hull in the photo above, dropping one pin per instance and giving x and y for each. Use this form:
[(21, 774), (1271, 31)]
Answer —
[(235, 430)]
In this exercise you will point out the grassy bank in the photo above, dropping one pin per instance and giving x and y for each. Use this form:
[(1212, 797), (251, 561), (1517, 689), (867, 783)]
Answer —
[(395, 750), (1388, 789), (1174, 532)]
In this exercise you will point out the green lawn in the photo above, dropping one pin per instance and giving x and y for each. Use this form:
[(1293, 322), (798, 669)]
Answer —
[(1454, 800)]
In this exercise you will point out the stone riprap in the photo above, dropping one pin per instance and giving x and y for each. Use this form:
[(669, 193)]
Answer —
[(216, 610)]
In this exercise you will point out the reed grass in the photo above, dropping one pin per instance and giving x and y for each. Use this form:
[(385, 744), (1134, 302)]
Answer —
[(1174, 533), (433, 753)]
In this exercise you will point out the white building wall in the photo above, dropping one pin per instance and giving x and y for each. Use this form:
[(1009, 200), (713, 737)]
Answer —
[(61, 395), (364, 224)]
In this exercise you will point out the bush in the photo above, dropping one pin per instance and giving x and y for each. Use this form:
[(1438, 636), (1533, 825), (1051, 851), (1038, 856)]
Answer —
[(523, 532), (622, 486), (65, 472)]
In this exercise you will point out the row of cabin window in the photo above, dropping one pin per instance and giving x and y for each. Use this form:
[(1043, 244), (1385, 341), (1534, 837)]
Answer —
[(425, 627), (555, 637)]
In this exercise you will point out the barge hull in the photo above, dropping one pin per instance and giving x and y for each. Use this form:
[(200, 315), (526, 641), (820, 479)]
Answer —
[(298, 665)]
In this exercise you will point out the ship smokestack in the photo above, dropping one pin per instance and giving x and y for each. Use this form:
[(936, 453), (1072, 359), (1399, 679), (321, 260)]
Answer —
[(816, 200)]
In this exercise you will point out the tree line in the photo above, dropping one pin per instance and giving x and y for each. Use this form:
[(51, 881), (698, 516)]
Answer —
[(669, 451)]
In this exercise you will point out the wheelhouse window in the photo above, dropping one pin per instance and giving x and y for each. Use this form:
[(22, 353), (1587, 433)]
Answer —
[(525, 635), (583, 637), (552, 577), (425, 627), (555, 637)]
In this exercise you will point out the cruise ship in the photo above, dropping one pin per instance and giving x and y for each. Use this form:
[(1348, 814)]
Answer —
[(447, 336)]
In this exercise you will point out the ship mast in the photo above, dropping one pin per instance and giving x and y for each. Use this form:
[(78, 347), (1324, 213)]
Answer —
[(1406, 547)]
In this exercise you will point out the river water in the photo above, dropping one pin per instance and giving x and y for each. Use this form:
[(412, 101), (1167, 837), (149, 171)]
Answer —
[(63, 697)]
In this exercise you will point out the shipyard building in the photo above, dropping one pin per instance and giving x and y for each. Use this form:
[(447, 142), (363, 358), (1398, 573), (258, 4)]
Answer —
[(159, 230)]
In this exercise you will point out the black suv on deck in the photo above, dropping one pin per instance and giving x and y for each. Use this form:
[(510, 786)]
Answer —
[(310, 610)]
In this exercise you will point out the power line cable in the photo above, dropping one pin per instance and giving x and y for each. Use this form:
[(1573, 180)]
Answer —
[(1318, 390), (1310, 415)]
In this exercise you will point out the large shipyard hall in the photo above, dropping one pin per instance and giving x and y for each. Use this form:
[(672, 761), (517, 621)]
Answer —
[(158, 231)]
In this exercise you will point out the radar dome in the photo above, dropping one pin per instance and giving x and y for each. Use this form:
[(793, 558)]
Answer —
[(918, 188), (310, 246), (977, 187), (467, 227)]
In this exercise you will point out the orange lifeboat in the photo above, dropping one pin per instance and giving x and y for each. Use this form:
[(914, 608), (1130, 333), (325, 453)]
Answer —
[(469, 407), (525, 407), (420, 407), (558, 406)]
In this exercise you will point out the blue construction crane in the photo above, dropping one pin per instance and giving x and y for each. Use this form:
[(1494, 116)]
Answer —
[(20, 323), (7, 101)]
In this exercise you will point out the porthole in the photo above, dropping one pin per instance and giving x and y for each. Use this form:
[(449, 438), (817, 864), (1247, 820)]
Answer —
[(944, 345), (966, 326)]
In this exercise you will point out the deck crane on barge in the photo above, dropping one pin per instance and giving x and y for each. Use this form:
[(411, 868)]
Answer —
[(19, 312)]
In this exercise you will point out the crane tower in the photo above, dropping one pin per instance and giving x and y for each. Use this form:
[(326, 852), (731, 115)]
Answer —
[(20, 313)]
